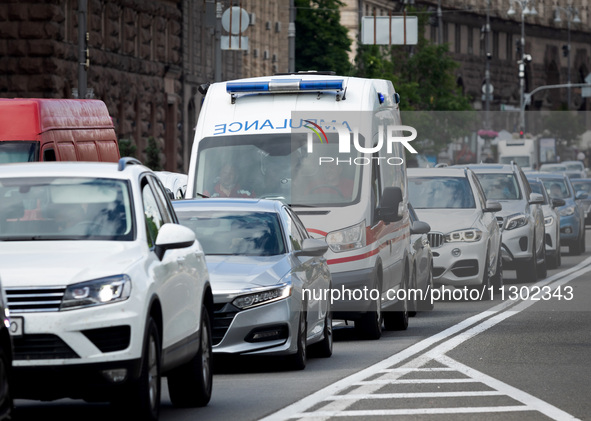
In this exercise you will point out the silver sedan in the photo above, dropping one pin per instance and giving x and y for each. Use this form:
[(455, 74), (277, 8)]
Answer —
[(270, 281)]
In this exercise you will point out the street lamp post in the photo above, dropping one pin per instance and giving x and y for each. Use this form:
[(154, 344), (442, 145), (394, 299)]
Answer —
[(572, 15), (525, 58)]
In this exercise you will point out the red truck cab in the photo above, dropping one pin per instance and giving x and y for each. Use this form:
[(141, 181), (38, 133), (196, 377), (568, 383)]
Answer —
[(33, 129)]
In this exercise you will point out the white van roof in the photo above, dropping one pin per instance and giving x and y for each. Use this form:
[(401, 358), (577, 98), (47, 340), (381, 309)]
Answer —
[(264, 104)]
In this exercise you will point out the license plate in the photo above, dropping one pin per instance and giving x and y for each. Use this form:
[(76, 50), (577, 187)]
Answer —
[(17, 325)]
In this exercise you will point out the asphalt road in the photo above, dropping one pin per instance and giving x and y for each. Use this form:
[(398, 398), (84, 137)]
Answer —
[(512, 359)]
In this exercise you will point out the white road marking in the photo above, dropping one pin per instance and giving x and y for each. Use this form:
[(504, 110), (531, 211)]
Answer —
[(356, 396), (417, 411), (486, 319)]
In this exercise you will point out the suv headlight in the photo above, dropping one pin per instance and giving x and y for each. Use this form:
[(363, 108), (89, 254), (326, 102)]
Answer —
[(469, 235), (350, 238), (516, 221), (567, 211), (98, 292), (263, 297), (548, 220)]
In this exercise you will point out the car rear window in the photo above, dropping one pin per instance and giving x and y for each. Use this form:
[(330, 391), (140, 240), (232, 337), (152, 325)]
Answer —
[(231, 233), (440, 193)]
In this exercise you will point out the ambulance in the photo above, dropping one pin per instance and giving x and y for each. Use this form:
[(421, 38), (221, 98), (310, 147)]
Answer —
[(333, 148)]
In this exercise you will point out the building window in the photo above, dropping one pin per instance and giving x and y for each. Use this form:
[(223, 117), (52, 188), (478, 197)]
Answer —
[(470, 40), (458, 38), (509, 47)]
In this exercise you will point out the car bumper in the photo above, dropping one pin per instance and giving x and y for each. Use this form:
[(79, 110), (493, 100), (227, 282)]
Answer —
[(270, 329), (569, 229), (357, 281), (101, 334), (551, 239), (76, 381), (465, 269), (516, 245)]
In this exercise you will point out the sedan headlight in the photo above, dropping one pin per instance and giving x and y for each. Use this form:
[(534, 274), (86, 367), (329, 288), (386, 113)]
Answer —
[(263, 297), (567, 211), (469, 235), (548, 220), (347, 239), (97, 292), (516, 221)]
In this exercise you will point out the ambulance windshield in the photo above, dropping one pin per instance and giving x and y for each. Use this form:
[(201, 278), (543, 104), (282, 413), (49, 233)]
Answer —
[(279, 166)]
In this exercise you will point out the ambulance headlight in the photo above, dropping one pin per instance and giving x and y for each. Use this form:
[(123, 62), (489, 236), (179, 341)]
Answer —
[(346, 239)]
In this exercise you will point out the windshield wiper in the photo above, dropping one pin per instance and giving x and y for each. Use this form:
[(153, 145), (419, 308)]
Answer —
[(299, 205)]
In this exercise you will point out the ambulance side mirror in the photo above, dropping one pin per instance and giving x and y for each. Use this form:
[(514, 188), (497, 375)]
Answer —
[(388, 211)]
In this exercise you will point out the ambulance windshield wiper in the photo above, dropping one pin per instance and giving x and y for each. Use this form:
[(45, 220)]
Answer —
[(202, 195)]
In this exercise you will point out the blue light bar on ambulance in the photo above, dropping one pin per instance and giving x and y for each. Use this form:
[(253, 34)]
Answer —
[(285, 85)]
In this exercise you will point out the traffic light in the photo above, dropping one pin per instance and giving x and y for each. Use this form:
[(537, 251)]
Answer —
[(565, 50), (521, 133), (518, 48)]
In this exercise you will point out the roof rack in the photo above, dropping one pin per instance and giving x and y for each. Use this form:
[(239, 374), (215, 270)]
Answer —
[(123, 162), (308, 72)]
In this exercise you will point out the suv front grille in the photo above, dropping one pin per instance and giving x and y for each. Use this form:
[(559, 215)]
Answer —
[(31, 300), (435, 239), (41, 347)]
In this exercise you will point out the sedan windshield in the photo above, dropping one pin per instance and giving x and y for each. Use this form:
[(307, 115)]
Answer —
[(582, 186), (440, 193), (64, 208), (228, 233), (499, 186)]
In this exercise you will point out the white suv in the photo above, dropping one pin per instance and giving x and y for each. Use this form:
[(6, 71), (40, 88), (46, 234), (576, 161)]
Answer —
[(107, 292)]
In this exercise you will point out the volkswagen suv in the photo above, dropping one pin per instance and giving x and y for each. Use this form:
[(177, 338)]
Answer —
[(107, 291)]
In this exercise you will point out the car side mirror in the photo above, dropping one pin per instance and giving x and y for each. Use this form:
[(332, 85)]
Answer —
[(536, 199), (556, 203), (389, 205), (420, 227), (493, 206), (312, 247), (173, 236), (581, 195)]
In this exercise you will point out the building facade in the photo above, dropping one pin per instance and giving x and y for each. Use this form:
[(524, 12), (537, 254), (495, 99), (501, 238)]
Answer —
[(462, 28), (147, 60)]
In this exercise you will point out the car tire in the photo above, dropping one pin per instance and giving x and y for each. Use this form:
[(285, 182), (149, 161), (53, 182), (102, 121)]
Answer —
[(575, 247), (369, 326), (323, 349), (484, 287), (398, 319), (583, 242), (559, 251), (190, 384), (298, 360), (426, 302), (141, 398), (6, 404), (497, 279), (413, 303), (527, 271), (542, 267)]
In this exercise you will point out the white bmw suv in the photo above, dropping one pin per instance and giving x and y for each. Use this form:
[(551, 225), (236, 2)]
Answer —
[(107, 291)]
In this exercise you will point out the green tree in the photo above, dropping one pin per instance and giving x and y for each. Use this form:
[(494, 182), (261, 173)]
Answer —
[(126, 147), (153, 155), (431, 101), (321, 41)]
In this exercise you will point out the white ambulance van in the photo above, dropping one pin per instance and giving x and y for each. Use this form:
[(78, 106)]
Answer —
[(332, 147)]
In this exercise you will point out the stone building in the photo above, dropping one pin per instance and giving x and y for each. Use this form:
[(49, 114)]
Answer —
[(267, 53), (462, 29), (147, 60)]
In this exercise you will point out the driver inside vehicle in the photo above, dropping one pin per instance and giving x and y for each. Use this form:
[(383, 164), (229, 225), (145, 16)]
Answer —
[(332, 181), (227, 184)]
